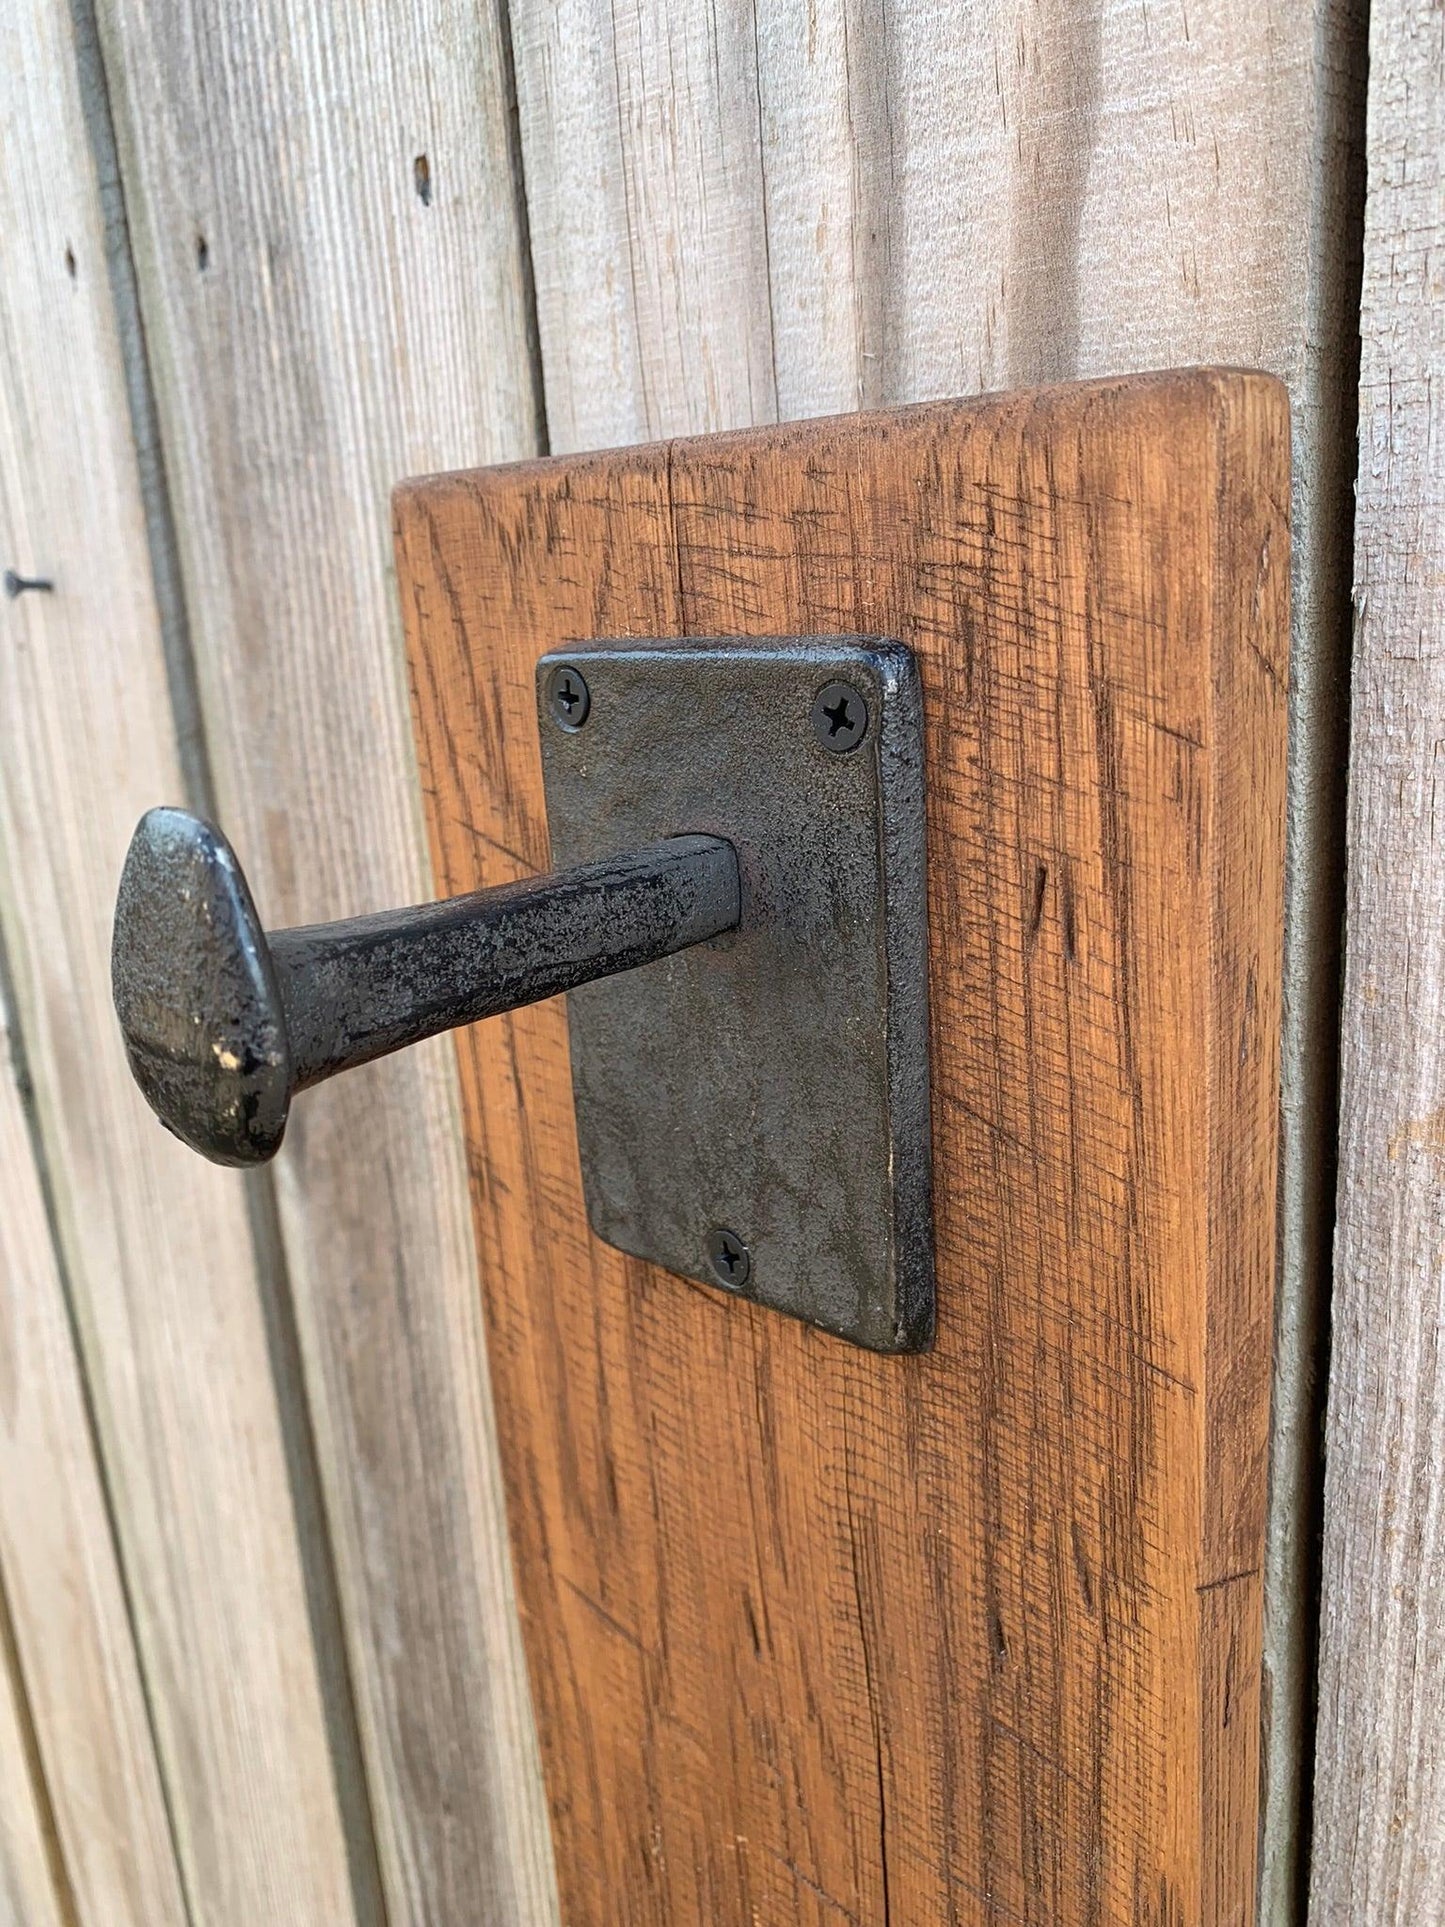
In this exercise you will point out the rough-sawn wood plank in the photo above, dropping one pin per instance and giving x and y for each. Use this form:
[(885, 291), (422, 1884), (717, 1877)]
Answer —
[(973, 1636)]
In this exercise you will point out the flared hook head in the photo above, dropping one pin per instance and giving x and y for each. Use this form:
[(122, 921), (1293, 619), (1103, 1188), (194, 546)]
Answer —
[(196, 992)]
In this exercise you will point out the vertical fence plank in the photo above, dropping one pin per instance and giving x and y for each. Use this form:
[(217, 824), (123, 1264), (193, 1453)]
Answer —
[(155, 1246), (335, 296), (1379, 1839), (67, 1608), (31, 1879), (890, 203)]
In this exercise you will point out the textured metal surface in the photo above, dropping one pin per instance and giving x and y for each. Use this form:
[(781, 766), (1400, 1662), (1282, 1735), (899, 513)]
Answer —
[(770, 1086), (223, 1023), (195, 991)]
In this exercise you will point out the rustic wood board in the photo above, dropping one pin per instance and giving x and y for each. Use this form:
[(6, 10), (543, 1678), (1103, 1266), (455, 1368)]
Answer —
[(1379, 1827), (973, 1636), (742, 215)]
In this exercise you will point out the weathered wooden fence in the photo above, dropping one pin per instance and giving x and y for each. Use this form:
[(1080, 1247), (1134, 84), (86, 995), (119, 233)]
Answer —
[(1379, 1808), (259, 1657)]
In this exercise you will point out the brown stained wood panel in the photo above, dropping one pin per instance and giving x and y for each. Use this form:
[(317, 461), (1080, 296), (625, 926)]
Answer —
[(816, 1635)]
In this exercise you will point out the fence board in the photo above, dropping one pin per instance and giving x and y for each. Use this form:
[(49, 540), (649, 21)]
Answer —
[(738, 214), (30, 1876), (156, 1247), (1379, 1838), (66, 1604), (334, 293)]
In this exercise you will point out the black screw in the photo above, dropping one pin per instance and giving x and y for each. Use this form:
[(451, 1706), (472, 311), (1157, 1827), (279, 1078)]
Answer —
[(568, 696), (840, 717), (17, 584), (729, 1257)]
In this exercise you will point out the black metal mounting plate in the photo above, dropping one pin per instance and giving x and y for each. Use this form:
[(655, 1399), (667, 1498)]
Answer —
[(753, 1113)]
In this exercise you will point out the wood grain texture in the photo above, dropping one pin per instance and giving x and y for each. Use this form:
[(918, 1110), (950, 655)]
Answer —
[(744, 213), (1379, 1828), (975, 1636), (155, 1246), (747, 214), (32, 1891), (333, 288), (64, 1600)]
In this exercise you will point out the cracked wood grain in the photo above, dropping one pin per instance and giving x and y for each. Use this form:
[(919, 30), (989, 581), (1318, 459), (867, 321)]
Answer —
[(820, 1636)]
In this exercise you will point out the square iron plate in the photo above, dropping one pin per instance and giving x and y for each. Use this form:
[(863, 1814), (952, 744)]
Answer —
[(753, 1113)]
